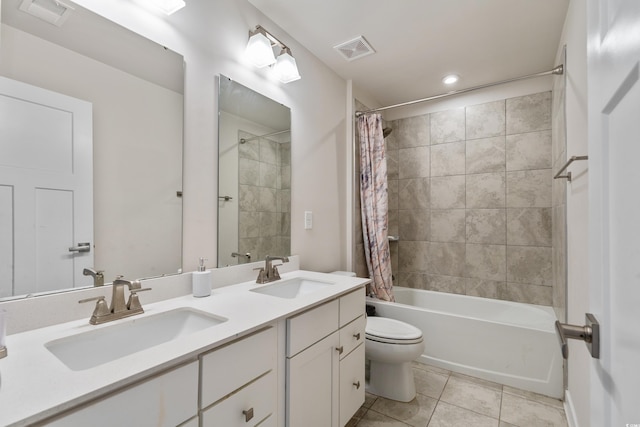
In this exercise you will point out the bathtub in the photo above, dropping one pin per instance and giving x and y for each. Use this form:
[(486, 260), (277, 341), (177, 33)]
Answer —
[(506, 342)]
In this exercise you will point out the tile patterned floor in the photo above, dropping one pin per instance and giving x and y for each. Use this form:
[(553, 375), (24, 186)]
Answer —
[(449, 399)]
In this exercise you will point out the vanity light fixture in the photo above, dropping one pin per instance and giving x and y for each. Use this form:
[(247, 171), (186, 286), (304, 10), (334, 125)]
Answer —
[(167, 6), (259, 49), (259, 52), (450, 79), (285, 68)]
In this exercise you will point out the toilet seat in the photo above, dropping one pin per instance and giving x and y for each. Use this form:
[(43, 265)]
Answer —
[(391, 331)]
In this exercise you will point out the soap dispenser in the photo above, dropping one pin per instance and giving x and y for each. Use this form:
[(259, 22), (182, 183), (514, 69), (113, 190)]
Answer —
[(201, 280)]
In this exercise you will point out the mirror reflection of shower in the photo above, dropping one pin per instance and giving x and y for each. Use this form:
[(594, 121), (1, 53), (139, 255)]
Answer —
[(254, 171)]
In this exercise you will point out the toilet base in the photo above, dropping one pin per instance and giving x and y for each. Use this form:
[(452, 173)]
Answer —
[(391, 380)]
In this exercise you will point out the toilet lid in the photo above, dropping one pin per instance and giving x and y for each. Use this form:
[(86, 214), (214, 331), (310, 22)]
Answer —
[(384, 327)]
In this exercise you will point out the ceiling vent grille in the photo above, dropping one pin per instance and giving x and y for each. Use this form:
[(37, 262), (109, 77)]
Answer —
[(52, 11), (354, 49)]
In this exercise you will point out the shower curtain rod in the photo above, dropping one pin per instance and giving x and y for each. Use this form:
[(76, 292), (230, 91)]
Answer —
[(243, 140), (557, 70)]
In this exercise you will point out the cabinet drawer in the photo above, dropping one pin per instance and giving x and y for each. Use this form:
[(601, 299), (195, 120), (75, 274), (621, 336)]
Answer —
[(232, 366), (311, 326), (351, 335), (351, 306), (165, 400), (258, 397), (351, 384)]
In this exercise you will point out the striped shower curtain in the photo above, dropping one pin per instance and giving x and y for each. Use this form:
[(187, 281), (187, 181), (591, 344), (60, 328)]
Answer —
[(373, 198)]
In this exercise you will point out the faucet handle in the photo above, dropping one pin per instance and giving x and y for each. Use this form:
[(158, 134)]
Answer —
[(100, 310), (134, 301), (262, 278), (275, 274)]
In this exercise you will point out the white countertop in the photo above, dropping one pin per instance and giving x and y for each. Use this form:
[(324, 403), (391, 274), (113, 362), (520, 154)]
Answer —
[(34, 384)]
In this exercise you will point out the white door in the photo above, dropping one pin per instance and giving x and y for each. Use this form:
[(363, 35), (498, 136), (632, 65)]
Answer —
[(46, 189), (614, 207)]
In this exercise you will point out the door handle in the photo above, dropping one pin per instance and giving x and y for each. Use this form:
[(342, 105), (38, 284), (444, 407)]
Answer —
[(589, 333), (82, 247)]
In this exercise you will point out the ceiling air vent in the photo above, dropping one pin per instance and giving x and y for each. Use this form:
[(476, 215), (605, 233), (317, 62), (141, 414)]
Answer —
[(354, 49), (53, 11)]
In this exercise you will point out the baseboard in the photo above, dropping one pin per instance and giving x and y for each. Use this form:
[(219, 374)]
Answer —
[(569, 410)]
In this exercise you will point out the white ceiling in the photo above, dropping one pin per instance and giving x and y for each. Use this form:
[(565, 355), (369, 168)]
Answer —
[(98, 38), (418, 42)]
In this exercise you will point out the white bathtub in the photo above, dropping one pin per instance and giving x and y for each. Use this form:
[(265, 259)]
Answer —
[(507, 342)]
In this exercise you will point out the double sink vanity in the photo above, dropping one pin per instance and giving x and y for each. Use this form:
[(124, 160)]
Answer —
[(285, 353)]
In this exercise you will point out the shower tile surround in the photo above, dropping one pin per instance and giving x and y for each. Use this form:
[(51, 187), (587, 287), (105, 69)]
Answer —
[(264, 176), (470, 195)]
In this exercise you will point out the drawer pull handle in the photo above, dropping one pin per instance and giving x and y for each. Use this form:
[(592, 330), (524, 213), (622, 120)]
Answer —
[(357, 385), (340, 349), (248, 414), (357, 336)]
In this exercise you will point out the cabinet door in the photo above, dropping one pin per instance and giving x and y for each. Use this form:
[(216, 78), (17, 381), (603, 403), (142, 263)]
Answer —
[(351, 384), (312, 395), (166, 400)]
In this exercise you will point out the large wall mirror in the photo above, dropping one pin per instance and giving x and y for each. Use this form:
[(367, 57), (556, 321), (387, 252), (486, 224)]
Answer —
[(134, 90), (254, 183)]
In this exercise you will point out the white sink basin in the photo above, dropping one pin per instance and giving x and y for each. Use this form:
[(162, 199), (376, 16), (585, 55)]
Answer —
[(90, 349), (291, 288)]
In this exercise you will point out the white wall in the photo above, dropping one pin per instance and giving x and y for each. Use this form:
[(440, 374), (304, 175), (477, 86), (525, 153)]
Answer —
[(574, 36), (212, 36), (144, 220)]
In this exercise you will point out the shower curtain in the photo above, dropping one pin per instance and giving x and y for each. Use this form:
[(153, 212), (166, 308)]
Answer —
[(374, 204)]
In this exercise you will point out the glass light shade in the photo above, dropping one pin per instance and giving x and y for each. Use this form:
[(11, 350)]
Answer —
[(168, 6), (259, 51), (286, 69)]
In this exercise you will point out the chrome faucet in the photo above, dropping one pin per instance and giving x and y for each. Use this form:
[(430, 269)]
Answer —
[(119, 308), (98, 276), (269, 272)]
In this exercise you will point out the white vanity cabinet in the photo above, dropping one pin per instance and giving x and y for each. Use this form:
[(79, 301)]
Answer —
[(167, 399), (325, 363), (239, 382), (237, 385)]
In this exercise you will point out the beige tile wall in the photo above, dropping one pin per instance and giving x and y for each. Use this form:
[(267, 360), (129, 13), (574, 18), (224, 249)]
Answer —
[(265, 197), (470, 195)]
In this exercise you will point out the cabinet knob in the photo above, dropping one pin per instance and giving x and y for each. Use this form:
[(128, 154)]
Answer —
[(340, 349), (357, 385), (248, 414), (357, 336)]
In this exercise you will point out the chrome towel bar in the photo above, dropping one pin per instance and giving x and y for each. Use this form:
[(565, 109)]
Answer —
[(566, 165)]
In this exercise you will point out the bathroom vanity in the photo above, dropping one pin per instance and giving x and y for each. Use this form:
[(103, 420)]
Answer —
[(248, 355)]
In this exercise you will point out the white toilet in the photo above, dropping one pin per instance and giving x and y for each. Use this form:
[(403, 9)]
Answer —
[(390, 346)]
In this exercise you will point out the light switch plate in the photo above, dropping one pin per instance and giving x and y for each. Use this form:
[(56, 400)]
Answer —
[(308, 220)]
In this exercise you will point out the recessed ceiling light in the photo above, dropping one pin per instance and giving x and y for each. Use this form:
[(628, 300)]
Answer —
[(450, 79)]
